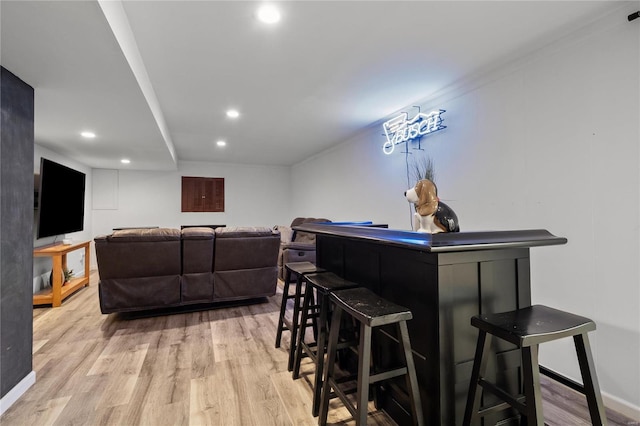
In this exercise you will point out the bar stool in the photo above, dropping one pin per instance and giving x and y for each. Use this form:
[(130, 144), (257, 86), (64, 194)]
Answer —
[(300, 269), (323, 284), (527, 328), (370, 311)]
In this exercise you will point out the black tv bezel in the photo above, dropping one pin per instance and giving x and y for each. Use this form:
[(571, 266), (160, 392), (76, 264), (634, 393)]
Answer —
[(49, 210)]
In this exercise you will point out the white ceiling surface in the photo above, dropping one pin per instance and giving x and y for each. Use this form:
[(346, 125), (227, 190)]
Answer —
[(327, 70)]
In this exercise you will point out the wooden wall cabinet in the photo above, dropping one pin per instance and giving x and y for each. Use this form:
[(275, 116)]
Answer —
[(200, 194)]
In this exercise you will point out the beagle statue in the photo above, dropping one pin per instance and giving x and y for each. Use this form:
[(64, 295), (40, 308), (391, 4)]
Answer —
[(432, 215)]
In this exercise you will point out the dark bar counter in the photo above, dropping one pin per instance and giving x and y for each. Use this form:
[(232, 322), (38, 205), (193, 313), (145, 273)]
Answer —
[(444, 279)]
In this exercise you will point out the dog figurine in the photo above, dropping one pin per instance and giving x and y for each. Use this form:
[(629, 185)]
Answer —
[(432, 215)]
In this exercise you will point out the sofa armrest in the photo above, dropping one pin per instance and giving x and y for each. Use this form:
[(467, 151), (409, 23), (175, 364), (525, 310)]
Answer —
[(298, 253), (286, 233), (298, 246)]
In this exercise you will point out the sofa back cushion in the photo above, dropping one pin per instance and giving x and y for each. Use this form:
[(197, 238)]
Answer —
[(245, 248), (138, 235), (135, 253), (245, 263), (197, 264), (197, 250), (305, 237), (245, 232)]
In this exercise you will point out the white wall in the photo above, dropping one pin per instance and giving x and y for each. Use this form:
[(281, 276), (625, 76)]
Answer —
[(75, 260), (548, 141), (254, 196)]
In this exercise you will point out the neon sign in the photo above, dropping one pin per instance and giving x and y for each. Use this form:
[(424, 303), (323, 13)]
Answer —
[(400, 129)]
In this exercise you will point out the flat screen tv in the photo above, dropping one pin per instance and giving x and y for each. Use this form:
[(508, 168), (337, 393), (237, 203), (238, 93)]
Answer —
[(60, 199)]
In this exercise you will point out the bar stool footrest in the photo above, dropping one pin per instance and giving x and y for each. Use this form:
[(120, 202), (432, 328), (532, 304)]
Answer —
[(514, 401), (386, 375), (483, 411), (342, 393)]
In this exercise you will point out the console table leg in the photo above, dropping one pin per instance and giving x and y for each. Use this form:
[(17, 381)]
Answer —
[(56, 282), (87, 252)]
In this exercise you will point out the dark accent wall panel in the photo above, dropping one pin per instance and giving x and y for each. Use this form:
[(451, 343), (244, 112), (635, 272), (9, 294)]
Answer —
[(16, 230)]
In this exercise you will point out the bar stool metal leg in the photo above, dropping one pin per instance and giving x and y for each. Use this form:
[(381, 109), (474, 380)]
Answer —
[(531, 379), (412, 379), (590, 380), (321, 342), (331, 361), (364, 366), (295, 321), (283, 306), (479, 368), (321, 348), (302, 330)]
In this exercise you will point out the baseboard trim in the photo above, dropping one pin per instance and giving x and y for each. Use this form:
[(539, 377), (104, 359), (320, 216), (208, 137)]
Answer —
[(18, 390), (612, 402), (621, 406)]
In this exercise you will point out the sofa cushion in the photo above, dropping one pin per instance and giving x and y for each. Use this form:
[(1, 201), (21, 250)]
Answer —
[(238, 284), (133, 294), (144, 235), (293, 254), (197, 287), (197, 250), (138, 257), (197, 233), (306, 237), (245, 231), (245, 253), (298, 246)]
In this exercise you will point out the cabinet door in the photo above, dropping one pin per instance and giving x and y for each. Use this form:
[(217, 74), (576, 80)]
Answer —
[(201, 194), (214, 195)]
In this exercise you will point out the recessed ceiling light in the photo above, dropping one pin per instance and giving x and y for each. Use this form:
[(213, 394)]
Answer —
[(221, 143), (88, 135), (233, 113), (268, 14), (125, 161)]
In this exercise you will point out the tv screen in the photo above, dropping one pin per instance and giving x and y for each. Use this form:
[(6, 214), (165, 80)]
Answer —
[(60, 199)]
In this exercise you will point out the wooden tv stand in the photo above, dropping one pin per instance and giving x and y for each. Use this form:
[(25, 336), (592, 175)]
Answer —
[(58, 292)]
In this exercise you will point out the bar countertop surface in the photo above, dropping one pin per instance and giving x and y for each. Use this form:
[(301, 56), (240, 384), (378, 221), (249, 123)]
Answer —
[(437, 243)]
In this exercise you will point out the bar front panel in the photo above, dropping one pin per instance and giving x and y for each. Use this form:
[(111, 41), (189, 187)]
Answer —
[(443, 291)]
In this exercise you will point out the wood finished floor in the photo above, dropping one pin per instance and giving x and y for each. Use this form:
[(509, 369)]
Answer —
[(214, 367)]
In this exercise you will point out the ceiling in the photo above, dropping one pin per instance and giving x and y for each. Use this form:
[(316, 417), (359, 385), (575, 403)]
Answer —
[(153, 79)]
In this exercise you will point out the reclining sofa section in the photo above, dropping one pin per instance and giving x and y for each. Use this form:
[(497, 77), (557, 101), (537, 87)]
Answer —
[(142, 269)]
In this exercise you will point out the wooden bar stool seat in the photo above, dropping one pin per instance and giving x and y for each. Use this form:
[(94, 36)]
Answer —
[(324, 284), (527, 328), (299, 269), (370, 311)]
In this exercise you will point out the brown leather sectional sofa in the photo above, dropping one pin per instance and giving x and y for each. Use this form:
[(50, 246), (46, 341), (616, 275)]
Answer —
[(142, 269)]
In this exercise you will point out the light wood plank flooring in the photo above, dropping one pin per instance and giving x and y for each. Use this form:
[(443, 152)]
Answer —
[(213, 367)]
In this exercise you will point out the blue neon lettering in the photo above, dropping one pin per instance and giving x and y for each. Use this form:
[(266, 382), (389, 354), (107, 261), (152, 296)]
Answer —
[(399, 129)]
